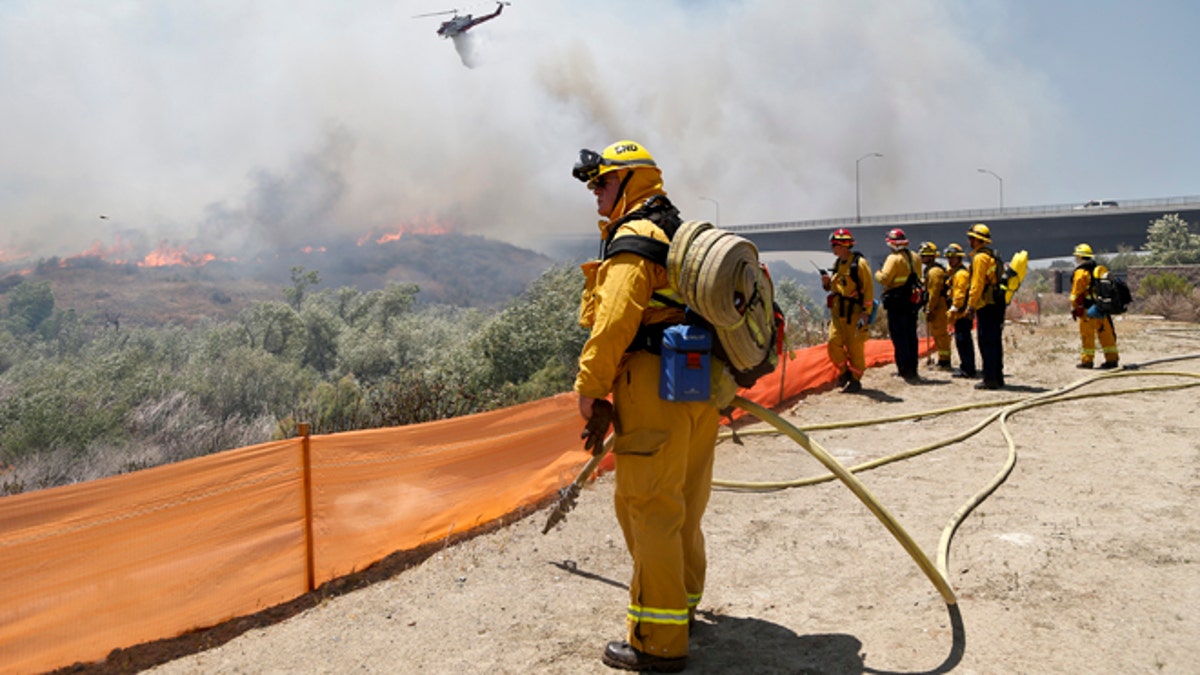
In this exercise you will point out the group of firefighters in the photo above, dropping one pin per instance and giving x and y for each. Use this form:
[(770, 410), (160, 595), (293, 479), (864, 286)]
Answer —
[(663, 447), (958, 297)]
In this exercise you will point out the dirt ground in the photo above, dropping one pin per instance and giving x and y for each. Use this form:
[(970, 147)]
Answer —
[(1084, 561)]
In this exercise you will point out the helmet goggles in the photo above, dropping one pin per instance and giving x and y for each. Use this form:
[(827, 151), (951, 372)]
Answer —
[(587, 168)]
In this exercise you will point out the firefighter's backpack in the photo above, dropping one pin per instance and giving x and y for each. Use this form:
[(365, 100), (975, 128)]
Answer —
[(1009, 277), (718, 277), (1112, 294)]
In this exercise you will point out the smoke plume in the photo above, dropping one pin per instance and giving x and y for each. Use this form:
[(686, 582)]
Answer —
[(244, 127)]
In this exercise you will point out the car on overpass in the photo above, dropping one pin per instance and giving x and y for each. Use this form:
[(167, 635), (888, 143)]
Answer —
[(1098, 204)]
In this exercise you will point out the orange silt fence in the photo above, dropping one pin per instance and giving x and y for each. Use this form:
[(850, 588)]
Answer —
[(115, 562)]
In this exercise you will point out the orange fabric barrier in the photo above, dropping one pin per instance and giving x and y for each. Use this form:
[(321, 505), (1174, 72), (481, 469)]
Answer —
[(123, 560), (88, 568), (116, 562), (810, 369), (385, 490), (1021, 311)]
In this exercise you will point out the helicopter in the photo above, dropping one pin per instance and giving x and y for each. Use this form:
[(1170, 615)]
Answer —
[(461, 23)]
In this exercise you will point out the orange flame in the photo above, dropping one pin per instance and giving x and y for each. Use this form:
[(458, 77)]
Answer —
[(166, 254), (311, 249), (98, 250), (432, 228)]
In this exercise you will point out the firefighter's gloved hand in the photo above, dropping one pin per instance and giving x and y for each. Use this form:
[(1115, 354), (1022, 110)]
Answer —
[(1077, 313), (597, 426), (862, 321)]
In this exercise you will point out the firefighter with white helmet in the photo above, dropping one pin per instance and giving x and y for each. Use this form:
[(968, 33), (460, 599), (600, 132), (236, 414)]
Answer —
[(960, 314), (1091, 329), (935, 308), (663, 449), (851, 303), (989, 314), (899, 277)]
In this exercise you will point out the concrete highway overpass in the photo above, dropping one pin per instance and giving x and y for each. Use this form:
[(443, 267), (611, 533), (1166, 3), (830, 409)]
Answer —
[(1044, 231)]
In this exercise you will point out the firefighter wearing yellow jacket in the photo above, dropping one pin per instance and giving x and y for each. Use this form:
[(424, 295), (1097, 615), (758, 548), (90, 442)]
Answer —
[(663, 449), (901, 269), (1091, 328), (935, 308), (989, 314), (959, 313), (851, 303)]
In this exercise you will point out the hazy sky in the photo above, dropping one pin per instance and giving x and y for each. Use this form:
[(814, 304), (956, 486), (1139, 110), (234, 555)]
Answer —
[(237, 125)]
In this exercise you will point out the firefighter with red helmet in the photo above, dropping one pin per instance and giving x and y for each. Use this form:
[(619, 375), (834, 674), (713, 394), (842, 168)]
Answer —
[(663, 449), (900, 275), (851, 303), (1091, 328)]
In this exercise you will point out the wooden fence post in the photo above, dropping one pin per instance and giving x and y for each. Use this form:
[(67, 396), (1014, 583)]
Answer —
[(306, 470)]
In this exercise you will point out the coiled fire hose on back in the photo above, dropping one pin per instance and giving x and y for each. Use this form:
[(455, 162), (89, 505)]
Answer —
[(718, 275)]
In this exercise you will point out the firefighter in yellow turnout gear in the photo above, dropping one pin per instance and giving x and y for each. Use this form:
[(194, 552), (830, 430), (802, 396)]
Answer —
[(663, 449), (851, 299), (936, 321), (901, 268), (989, 314), (1091, 328), (959, 313)]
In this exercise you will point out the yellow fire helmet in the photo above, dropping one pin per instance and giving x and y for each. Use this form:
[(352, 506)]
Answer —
[(954, 251), (1083, 251), (981, 232), (620, 155), (928, 248)]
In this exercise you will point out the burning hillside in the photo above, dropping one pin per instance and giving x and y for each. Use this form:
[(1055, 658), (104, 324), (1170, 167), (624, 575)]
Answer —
[(186, 282)]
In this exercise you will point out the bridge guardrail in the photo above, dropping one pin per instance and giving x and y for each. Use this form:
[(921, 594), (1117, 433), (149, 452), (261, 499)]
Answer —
[(968, 214)]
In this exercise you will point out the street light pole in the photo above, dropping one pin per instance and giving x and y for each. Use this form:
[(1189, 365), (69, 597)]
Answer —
[(1001, 186), (718, 205), (857, 201)]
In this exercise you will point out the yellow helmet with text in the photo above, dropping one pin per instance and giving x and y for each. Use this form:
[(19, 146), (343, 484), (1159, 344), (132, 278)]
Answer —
[(1083, 251), (981, 232), (620, 155)]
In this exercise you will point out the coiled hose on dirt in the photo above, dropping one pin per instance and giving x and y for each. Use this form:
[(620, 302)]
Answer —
[(938, 574)]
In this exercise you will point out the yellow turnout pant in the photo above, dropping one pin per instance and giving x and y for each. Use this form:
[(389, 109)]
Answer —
[(664, 459), (1091, 329), (938, 325), (846, 345)]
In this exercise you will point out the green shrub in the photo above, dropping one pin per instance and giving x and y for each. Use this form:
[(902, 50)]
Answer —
[(1166, 283)]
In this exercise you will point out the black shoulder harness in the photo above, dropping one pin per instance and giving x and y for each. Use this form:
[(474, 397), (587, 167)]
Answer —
[(658, 210)]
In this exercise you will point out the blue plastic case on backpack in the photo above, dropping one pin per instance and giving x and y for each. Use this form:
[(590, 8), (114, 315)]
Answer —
[(686, 364)]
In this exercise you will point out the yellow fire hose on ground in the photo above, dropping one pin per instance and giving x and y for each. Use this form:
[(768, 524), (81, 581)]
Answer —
[(1010, 407), (938, 574)]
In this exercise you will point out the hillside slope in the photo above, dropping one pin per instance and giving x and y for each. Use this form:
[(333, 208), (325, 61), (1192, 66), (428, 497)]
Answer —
[(467, 271)]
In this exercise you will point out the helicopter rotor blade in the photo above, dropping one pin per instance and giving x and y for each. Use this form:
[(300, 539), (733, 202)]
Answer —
[(448, 11)]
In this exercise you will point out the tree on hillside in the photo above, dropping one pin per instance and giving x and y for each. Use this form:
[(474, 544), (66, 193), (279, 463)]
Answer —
[(272, 326), (1172, 241), (301, 281), (538, 331), (29, 305), (396, 299)]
